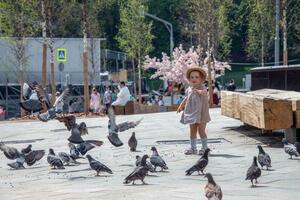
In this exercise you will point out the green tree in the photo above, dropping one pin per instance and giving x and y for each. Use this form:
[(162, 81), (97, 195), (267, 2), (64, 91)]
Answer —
[(260, 29), (19, 20), (134, 36)]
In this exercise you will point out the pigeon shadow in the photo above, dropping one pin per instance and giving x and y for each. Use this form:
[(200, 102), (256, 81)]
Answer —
[(136, 151), (136, 185), (152, 175), (271, 170), (225, 155), (72, 171), (259, 186), (126, 165), (22, 141), (162, 172)]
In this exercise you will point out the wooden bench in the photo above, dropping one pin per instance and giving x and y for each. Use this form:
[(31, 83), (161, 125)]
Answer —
[(265, 109)]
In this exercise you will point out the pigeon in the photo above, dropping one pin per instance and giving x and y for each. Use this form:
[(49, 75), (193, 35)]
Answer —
[(27, 149), (66, 158), (16, 165), (212, 190), (54, 161), (200, 164), (31, 102), (263, 158), (9, 152), (290, 149), (98, 166), (148, 164), (253, 172), (33, 156), (132, 142), (74, 153), (156, 160), (77, 130), (52, 111), (84, 147), (29, 158), (138, 173), (114, 129), (297, 145)]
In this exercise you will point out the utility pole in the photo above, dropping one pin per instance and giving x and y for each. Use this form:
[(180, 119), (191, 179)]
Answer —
[(284, 30), (85, 59), (277, 33)]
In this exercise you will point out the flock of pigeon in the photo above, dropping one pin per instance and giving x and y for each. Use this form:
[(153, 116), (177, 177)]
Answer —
[(36, 98)]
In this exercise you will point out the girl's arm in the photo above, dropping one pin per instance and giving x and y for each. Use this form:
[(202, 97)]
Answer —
[(182, 105)]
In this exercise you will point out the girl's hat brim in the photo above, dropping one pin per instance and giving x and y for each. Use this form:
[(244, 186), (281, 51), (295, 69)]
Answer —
[(198, 69)]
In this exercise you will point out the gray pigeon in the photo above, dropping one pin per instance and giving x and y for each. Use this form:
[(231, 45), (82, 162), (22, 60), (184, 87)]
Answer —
[(263, 158), (114, 128), (290, 149), (20, 157), (16, 165), (253, 172), (54, 161), (200, 164), (53, 110), (34, 156), (66, 158), (132, 142), (212, 190), (138, 162), (297, 145), (27, 149), (156, 160), (138, 173), (74, 153), (98, 166), (31, 102), (10, 152)]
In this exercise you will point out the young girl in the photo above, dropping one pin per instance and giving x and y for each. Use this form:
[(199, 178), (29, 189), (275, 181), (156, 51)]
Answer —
[(195, 109)]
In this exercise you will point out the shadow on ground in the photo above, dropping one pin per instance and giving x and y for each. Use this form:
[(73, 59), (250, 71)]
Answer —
[(272, 139)]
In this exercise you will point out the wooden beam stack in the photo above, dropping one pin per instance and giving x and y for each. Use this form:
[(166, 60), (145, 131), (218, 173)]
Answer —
[(257, 110)]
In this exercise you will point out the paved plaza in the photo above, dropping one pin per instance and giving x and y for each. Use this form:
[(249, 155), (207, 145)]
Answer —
[(233, 147)]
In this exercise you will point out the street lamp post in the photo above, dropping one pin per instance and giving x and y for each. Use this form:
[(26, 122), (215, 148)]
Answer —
[(168, 25)]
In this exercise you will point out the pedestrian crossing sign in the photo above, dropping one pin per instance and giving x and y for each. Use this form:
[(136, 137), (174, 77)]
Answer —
[(61, 55)]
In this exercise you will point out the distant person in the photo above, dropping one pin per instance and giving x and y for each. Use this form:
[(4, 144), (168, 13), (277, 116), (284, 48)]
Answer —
[(123, 96), (161, 101), (108, 97), (179, 100), (95, 102), (231, 86)]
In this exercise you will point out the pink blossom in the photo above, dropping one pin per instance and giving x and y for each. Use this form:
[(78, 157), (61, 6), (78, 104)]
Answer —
[(175, 69)]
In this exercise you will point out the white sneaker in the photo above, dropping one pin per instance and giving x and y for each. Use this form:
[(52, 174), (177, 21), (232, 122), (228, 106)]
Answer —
[(190, 151)]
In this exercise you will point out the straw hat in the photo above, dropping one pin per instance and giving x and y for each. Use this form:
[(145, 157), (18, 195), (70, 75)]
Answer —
[(198, 69)]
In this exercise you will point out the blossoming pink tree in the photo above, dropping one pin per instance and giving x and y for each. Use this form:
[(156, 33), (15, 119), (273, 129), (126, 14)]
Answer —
[(175, 69)]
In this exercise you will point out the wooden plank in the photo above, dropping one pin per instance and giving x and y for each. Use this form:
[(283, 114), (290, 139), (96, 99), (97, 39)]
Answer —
[(230, 104), (297, 118), (265, 113), (280, 94)]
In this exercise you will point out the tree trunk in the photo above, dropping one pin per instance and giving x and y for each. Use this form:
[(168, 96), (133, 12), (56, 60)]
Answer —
[(52, 75), (85, 60), (262, 50), (284, 30), (134, 79), (21, 74), (140, 81), (210, 91), (44, 55)]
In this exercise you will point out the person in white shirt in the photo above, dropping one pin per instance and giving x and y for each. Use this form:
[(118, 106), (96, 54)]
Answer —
[(123, 96)]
